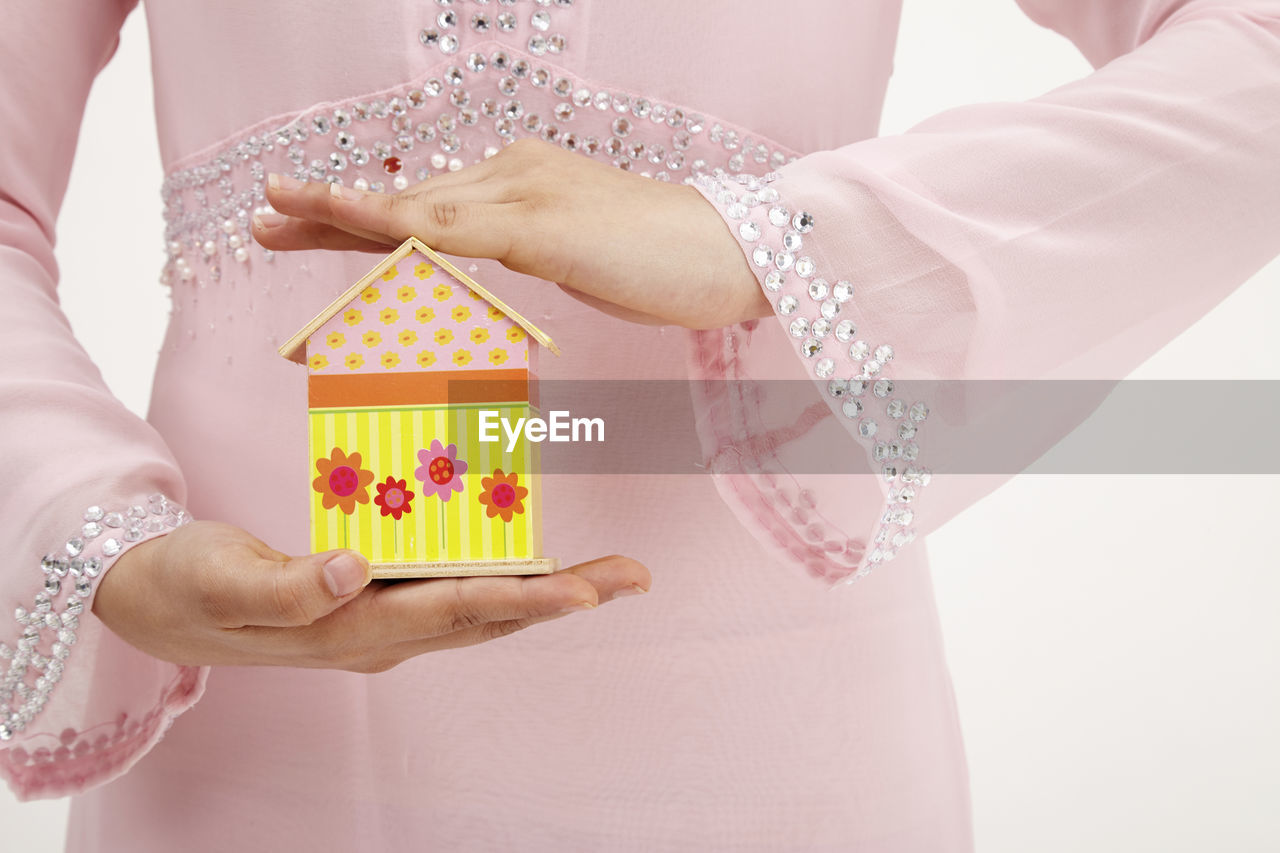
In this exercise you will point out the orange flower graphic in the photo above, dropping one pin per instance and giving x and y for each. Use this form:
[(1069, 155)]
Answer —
[(342, 482), (502, 495)]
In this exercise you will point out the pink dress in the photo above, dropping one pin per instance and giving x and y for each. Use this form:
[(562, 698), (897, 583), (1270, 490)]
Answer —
[(740, 705)]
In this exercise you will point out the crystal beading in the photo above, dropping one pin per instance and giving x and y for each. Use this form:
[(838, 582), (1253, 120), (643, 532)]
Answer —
[(492, 84), (47, 629), (853, 375)]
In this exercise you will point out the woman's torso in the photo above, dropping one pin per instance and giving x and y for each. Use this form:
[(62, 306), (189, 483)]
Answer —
[(736, 706)]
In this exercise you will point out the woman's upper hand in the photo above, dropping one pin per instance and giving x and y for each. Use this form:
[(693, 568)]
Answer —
[(638, 248), (210, 593)]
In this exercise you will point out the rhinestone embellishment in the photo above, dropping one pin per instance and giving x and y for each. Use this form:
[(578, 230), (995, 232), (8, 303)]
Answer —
[(47, 631), (494, 87), (852, 371)]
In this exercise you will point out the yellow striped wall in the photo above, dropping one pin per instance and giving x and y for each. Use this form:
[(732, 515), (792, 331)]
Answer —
[(388, 441)]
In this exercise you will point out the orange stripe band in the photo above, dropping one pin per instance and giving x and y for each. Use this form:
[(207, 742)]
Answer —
[(417, 388)]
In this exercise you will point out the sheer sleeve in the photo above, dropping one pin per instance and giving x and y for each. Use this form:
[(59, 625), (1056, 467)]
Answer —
[(84, 480), (1067, 237)]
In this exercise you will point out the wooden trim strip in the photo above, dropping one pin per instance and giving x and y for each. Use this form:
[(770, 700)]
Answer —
[(417, 388)]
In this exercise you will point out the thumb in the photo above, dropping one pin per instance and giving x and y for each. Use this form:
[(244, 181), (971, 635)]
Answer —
[(301, 590)]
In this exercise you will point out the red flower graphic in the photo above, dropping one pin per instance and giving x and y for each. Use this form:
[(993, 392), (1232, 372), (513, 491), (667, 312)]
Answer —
[(394, 498)]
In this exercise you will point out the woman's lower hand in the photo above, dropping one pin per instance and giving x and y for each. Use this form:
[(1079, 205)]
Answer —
[(638, 248), (210, 593)]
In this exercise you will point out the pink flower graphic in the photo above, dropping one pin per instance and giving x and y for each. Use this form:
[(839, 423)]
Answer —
[(441, 470)]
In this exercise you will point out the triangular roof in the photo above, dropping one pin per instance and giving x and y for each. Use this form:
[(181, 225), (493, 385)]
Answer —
[(293, 349)]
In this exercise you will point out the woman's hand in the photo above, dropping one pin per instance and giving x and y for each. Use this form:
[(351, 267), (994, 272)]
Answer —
[(634, 247), (210, 593)]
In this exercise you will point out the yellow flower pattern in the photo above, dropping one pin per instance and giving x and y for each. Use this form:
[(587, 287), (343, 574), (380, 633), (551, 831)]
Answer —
[(462, 334)]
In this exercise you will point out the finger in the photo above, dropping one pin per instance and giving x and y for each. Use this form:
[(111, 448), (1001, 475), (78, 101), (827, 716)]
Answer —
[(613, 577), (296, 592), (314, 200), (469, 219), (282, 233), (417, 610), (446, 220)]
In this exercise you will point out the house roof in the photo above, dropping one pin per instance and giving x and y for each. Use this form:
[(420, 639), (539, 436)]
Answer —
[(294, 348)]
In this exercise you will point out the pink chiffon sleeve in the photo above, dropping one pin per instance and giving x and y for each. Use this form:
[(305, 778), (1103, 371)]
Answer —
[(1070, 236), (84, 479)]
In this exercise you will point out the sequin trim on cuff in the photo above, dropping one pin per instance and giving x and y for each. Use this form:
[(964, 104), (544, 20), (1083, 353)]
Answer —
[(37, 660), (858, 383)]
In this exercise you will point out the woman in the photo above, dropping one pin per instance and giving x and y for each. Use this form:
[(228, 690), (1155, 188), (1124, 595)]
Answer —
[(734, 706)]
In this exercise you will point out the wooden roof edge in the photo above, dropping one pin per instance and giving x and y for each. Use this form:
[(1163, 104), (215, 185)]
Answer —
[(294, 348), (533, 331)]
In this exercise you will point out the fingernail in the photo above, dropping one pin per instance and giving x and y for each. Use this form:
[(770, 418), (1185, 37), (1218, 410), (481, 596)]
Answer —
[(579, 607), (344, 573), (345, 193), (282, 182), (634, 589), (269, 220)]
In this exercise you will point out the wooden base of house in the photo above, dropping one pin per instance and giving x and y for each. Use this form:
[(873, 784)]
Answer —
[(465, 568)]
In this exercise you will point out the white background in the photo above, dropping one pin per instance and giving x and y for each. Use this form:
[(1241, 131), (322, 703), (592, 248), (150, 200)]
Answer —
[(1113, 640)]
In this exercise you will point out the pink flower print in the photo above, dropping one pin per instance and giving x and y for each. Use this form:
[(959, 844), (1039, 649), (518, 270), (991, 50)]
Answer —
[(441, 470)]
